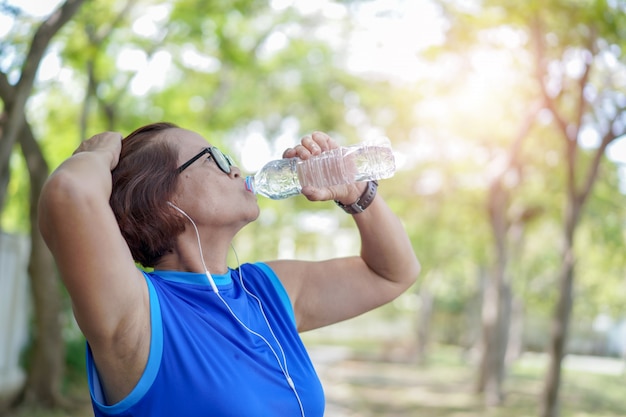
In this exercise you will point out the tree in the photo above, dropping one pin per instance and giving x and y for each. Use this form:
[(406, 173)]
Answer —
[(574, 54), (47, 360), (14, 97), (496, 123), (497, 298), (590, 98)]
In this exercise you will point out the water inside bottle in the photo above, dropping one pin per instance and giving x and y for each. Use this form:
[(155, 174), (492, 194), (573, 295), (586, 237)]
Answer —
[(373, 162), (327, 169), (277, 180), (347, 165)]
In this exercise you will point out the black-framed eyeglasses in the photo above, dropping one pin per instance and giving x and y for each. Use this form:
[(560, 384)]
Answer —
[(223, 161)]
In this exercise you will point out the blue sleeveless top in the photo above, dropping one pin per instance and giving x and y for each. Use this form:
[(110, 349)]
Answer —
[(204, 363)]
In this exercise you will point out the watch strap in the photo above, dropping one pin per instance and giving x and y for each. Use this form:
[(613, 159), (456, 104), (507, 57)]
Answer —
[(363, 201)]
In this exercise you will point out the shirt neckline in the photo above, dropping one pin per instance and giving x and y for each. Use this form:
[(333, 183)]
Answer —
[(196, 278)]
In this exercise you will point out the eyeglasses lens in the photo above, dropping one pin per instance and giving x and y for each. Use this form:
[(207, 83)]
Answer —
[(224, 162)]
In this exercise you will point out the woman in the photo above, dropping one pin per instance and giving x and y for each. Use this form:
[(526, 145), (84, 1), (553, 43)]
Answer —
[(195, 338)]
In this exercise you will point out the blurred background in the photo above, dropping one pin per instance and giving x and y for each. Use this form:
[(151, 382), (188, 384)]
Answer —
[(507, 119)]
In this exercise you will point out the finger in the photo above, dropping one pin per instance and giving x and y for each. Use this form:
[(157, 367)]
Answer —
[(302, 152), (311, 145), (299, 151), (289, 153), (108, 142), (324, 141), (100, 139), (316, 194)]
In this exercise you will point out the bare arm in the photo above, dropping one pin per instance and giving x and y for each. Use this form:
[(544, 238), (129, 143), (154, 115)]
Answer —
[(330, 291), (108, 294)]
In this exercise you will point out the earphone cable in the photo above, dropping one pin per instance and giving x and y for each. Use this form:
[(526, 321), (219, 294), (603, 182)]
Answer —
[(206, 270), (282, 365), (286, 369)]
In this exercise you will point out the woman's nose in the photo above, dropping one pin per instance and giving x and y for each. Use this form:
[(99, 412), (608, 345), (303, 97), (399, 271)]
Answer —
[(235, 172)]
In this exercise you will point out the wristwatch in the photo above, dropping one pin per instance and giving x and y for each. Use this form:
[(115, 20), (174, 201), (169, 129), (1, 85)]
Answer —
[(362, 202)]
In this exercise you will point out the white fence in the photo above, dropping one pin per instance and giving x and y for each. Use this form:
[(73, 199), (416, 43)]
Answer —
[(14, 312)]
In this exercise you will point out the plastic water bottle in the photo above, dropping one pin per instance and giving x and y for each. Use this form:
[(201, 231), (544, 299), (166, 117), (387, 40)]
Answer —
[(284, 178)]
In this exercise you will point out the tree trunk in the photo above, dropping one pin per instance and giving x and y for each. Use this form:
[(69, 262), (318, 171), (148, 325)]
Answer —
[(496, 307), (494, 310), (45, 375), (5, 178), (46, 366), (5, 168), (423, 325), (473, 343), (562, 313), (496, 316), (515, 347), (15, 97)]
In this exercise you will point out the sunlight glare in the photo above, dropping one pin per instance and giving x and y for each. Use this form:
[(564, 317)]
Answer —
[(275, 42), (6, 23), (52, 64), (152, 75), (131, 60), (200, 62), (146, 25), (588, 138), (257, 152), (389, 36), (616, 152), (35, 8), (280, 5)]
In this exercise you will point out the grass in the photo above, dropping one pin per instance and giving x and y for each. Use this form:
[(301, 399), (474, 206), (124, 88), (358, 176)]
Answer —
[(366, 379), (366, 387)]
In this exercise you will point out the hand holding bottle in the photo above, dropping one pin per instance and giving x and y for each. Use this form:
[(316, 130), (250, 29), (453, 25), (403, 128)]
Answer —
[(322, 170), (312, 146)]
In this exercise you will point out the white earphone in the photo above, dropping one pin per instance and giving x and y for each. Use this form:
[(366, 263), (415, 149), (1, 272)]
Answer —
[(206, 271), (281, 364)]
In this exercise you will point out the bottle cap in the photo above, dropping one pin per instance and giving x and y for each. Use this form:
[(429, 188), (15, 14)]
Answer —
[(250, 183)]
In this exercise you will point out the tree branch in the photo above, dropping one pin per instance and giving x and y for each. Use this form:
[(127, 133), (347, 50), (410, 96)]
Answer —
[(541, 72), (609, 136), (524, 128), (582, 103), (42, 38), (6, 89), (23, 88)]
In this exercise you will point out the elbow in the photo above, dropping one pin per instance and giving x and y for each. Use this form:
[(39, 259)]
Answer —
[(46, 206), (62, 195), (403, 277), (55, 191), (411, 272), (415, 271), (50, 205), (411, 269)]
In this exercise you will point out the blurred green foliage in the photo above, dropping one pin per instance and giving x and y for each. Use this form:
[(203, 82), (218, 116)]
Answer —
[(232, 70)]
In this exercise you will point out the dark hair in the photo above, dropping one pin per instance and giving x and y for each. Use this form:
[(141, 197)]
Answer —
[(144, 181)]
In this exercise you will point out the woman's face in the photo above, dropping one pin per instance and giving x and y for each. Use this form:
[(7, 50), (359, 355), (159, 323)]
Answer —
[(210, 196)]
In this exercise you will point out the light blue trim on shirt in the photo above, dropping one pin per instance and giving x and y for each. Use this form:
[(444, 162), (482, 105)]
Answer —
[(280, 289), (193, 277), (152, 366)]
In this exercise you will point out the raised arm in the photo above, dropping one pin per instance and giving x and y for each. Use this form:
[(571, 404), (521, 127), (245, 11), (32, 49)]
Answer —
[(80, 229), (330, 291)]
